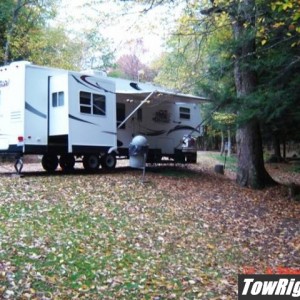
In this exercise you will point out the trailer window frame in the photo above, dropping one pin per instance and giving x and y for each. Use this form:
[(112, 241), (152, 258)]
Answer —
[(184, 113), (58, 99), (92, 103), (99, 105)]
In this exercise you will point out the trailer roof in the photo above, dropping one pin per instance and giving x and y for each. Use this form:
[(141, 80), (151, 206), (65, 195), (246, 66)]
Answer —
[(138, 91)]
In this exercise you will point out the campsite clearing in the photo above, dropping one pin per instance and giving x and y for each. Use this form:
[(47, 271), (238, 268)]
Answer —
[(186, 233)]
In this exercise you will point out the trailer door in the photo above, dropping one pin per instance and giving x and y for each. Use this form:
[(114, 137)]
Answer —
[(58, 105)]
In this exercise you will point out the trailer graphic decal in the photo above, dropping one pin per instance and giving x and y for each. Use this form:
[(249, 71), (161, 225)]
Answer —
[(181, 127), (160, 132), (89, 84), (4, 83), (34, 111), (154, 132), (110, 132), (81, 120)]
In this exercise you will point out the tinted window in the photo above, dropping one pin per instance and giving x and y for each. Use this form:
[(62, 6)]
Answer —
[(92, 104), (184, 113)]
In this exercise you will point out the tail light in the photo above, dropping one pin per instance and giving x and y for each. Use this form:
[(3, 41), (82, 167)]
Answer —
[(20, 139), (192, 142)]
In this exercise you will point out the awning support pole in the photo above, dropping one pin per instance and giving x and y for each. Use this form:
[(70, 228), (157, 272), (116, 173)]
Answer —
[(133, 112)]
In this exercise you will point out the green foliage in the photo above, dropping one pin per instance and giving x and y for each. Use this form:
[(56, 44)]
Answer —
[(96, 51), (26, 34), (20, 21), (224, 118), (52, 47), (203, 52)]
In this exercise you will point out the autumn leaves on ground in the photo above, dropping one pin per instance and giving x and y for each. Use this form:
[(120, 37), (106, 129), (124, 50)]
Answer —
[(185, 233)]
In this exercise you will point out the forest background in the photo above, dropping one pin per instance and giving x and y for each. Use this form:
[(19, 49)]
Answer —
[(243, 55)]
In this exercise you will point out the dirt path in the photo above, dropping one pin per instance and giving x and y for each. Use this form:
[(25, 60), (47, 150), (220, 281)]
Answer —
[(281, 172)]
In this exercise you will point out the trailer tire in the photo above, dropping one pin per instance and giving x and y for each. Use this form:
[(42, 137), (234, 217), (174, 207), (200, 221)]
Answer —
[(191, 158), (154, 156), (91, 162), (108, 161), (67, 162), (50, 162)]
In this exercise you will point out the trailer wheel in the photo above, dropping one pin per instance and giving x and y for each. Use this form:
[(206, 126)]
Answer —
[(67, 162), (109, 161), (49, 162), (191, 158), (91, 162)]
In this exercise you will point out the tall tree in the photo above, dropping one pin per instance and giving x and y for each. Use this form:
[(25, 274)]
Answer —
[(27, 34), (278, 38), (19, 19), (250, 171), (51, 46), (130, 64), (241, 15), (258, 41), (255, 26)]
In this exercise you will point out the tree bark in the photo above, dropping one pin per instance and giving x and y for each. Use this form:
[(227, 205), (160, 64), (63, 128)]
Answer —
[(284, 148), (250, 170), (276, 147), (229, 143), (222, 143)]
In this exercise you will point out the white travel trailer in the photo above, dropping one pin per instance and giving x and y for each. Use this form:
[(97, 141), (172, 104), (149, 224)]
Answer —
[(56, 113), (67, 116)]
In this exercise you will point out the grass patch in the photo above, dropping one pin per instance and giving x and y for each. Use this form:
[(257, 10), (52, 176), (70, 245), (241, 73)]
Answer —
[(175, 172), (108, 236), (230, 162), (296, 168), (86, 236)]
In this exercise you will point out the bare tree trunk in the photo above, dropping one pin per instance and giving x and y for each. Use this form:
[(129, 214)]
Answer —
[(222, 143), (229, 143), (284, 148), (250, 170), (276, 147)]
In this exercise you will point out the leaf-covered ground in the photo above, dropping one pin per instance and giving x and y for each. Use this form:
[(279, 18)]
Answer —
[(185, 233)]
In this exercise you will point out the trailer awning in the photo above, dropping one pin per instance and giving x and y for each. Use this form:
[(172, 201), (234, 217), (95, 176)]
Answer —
[(127, 90), (142, 93)]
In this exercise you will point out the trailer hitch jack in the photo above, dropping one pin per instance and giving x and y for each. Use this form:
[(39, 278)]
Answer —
[(18, 165)]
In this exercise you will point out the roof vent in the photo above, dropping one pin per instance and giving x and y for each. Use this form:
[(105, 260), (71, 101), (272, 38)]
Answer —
[(135, 86)]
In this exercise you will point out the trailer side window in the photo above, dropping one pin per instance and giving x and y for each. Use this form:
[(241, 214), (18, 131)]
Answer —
[(92, 104), (85, 103), (98, 105), (58, 99), (184, 113)]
